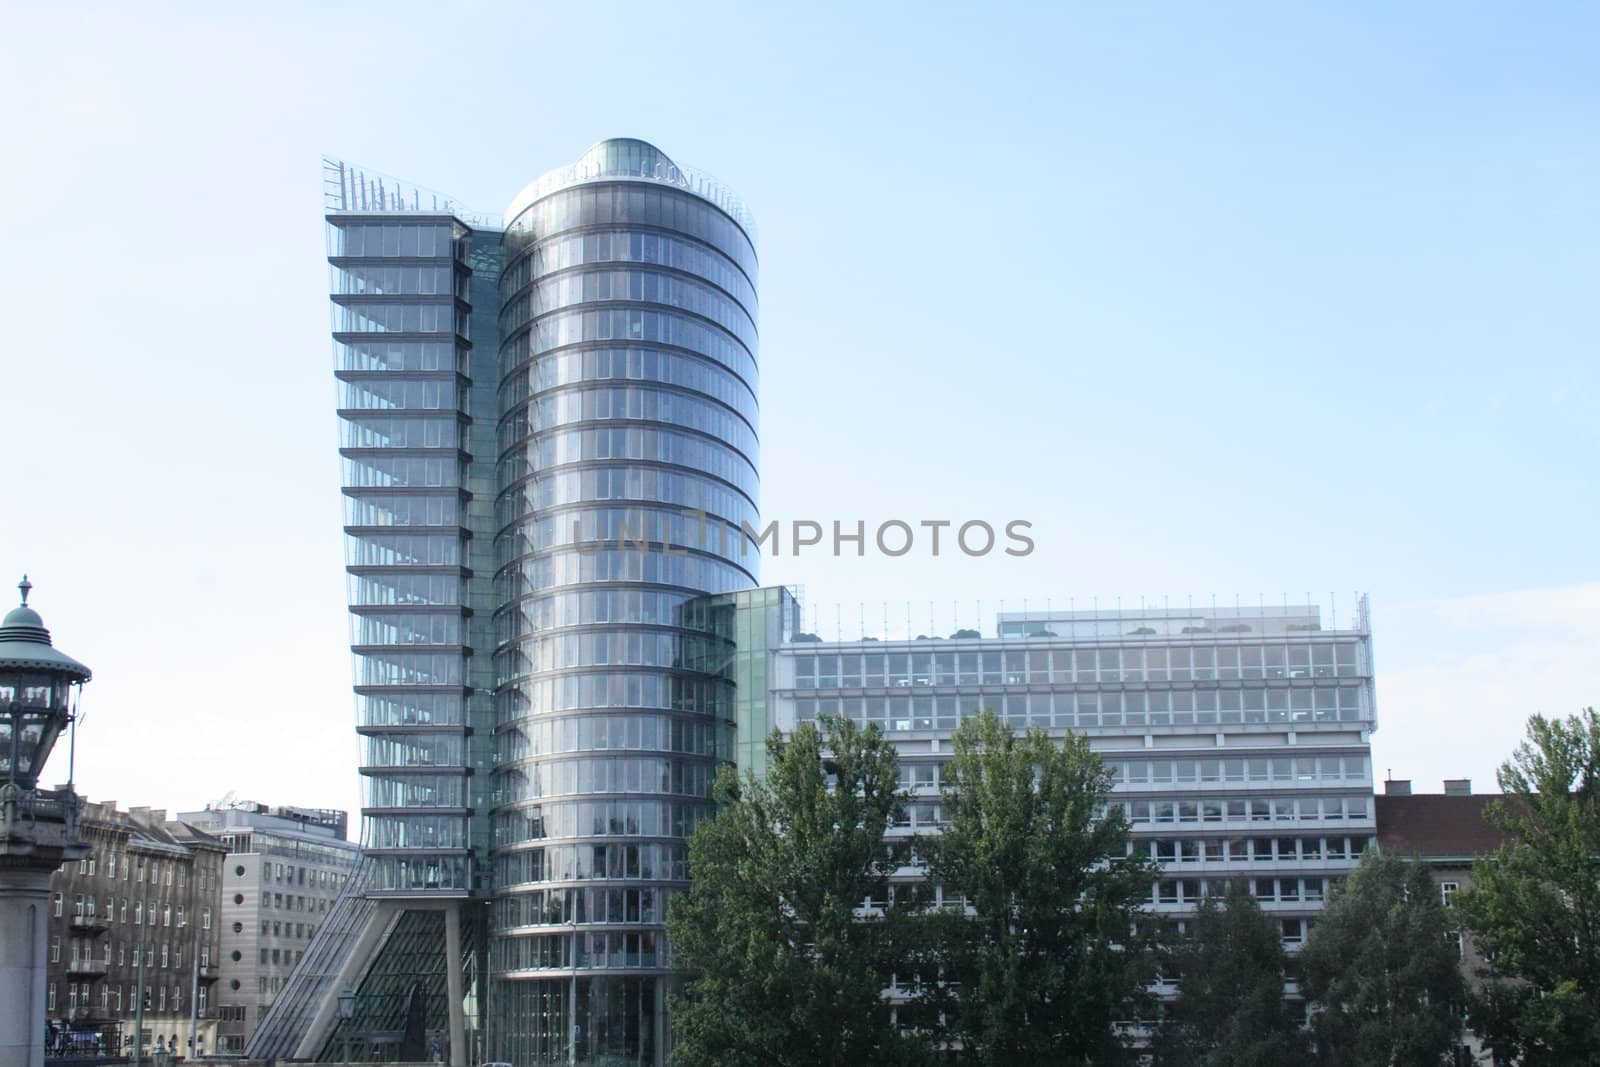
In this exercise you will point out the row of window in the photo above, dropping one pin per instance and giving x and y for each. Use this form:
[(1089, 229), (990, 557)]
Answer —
[(631, 324), (651, 444), (573, 863), (418, 873), (411, 709), (645, 403), (298, 931), (1248, 809), (629, 204), (404, 550), (402, 471), (572, 566), (85, 906), (396, 356), (1071, 710), (384, 280), (1250, 769), (585, 607), (1181, 850), (600, 285), (590, 733), (612, 689), (409, 628), (374, 431), (634, 364), (403, 509), (555, 907), (635, 648), (639, 528), (133, 868), (400, 318), (414, 791), (292, 874), (1037, 666), (394, 589), (930, 814), (672, 489), (83, 953), (582, 950), (597, 818), (280, 957), (605, 774), (577, 249), (409, 669), (387, 239), (415, 750), (415, 831), (80, 996), (394, 393)]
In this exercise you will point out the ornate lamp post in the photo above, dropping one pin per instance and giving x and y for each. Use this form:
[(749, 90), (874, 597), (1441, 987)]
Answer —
[(38, 827)]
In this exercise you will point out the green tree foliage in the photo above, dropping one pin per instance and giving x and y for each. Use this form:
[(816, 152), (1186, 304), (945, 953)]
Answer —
[(787, 975), (1382, 965), (1055, 954), (1534, 906), (1230, 1010)]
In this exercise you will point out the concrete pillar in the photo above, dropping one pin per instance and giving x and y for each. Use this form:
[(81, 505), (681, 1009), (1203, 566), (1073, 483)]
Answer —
[(453, 984), (24, 920)]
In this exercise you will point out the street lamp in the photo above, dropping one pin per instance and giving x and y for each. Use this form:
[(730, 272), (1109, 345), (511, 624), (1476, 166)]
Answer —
[(347, 1011), (38, 828)]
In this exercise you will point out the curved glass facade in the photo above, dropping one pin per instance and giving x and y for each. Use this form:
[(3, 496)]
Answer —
[(627, 398)]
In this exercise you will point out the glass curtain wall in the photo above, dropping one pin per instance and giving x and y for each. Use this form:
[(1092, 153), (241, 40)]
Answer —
[(402, 350), (627, 400)]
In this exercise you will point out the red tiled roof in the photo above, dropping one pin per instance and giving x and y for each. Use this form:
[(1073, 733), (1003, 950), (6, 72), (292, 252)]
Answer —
[(1436, 825)]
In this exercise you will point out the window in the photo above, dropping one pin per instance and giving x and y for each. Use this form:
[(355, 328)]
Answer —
[(55, 905), (50, 997), (1447, 890), (55, 951)]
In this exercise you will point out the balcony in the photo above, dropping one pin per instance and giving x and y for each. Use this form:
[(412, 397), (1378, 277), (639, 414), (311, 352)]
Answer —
[(91, 924), (208, 973), (91, 968)]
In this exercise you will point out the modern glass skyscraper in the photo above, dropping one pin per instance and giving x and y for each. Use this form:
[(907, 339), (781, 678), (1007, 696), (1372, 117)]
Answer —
[(528, 407), (627, 397)]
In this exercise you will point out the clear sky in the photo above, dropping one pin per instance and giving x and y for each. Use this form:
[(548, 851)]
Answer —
[(1235, 299)]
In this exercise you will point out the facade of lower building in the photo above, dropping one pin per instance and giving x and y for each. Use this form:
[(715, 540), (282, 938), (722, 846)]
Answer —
[(285, 868), (135, 935), (1238, 738), (1448, 831)]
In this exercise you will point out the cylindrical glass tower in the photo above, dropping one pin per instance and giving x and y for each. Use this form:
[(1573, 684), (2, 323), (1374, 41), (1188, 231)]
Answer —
[(627, 403)]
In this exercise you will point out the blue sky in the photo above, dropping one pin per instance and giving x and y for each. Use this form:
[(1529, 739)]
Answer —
[(1225, 299)]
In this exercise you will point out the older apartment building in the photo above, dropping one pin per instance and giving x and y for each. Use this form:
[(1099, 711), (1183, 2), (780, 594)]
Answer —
[(133, 941)]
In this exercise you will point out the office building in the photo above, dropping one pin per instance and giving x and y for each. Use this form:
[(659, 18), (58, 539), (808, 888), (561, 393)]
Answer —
[(1238, 738), (134, 920), (528, 405), (285, 868)]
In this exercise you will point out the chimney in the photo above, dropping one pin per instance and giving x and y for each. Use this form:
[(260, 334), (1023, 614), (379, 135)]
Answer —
[(1458, 787), (1397, 787)]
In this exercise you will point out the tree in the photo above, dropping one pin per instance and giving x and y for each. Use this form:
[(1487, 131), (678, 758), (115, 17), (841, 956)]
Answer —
[(788, 974), (1055, 953), (1382, 965), (1230, 1010), (1534, 905)]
